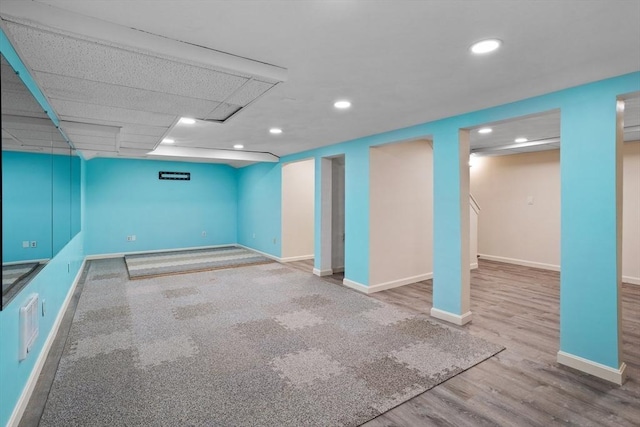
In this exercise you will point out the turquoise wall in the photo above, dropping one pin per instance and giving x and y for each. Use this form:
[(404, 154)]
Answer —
[(26, 205), (125, 197), (260, 207)]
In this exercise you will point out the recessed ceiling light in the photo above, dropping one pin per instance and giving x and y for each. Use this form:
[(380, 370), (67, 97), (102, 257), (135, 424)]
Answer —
[(341, 105), (521, 140), (168, 141), (485, 130), (275, 130), (187, 120), (485, 46), (238, 146)]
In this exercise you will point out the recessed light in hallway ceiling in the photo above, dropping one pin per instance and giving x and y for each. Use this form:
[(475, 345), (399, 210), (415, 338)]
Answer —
[(519, 140), (485, 130), (238, 146), (342, 104), (275, 131), (485, 46), (168, 141)]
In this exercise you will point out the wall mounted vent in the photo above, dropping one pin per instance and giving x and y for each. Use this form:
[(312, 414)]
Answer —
[(28, 325), (175, 176)]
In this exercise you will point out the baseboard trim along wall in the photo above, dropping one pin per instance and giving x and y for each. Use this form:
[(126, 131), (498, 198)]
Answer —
[(616, 376), (552, 267), (355, 285), (322, 273), (295, 258), (522, 262), (155, 251), (20, 407), (631, 280), (399, 282), (456, 319)]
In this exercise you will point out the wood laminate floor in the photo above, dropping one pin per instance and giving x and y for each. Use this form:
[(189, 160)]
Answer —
[(518, 307)]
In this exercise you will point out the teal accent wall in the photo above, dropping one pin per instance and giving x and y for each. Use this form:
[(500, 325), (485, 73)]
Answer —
[(447, 237), (26, 205), (260, 207), (589, 324), (125, 197)]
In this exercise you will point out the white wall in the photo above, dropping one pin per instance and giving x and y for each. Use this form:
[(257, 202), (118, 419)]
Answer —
[(520, 200), (401, 213), (297, 209)]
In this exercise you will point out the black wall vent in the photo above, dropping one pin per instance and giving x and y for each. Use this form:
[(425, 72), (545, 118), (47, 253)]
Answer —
[(176, 176)]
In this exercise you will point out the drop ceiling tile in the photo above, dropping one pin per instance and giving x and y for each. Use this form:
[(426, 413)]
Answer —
[(147, 141), (130, 129), (223, 112), (76, 111), (63, 54), (85, 91), (250, 91), (92, 139)]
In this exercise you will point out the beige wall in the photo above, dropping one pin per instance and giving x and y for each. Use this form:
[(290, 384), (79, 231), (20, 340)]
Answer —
[(401, 221), (631, 213), (520, 200), (297, 209)]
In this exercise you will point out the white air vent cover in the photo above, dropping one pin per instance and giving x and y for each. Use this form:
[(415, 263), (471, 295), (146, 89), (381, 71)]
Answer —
[(28, 325)]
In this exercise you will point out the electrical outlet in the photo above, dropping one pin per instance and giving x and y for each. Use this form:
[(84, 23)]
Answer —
[(133, 237), (274, 240), (254, 235), (128, 238), (25, 244), (44, 307), (34, 244), (204, 234)]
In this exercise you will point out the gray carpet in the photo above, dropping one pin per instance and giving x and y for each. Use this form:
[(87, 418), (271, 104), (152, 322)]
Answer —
[(176, 262), (262, 345), (13, 273)]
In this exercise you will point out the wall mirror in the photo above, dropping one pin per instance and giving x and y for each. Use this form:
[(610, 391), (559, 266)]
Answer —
[(40, 187)]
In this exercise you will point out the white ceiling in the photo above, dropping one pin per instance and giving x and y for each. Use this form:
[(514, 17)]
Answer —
[(400, 63)]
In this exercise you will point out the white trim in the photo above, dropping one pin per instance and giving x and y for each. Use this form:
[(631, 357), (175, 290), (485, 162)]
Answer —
[(474, 265), (355, 285), (399, 282), (296, 258), (523, 262), (322, 273), (18, 410), (121, 254), (456, 319), (631, 280), (616, 376)]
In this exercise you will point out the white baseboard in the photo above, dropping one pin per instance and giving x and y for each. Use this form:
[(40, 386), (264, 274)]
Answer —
[(322, 273), (456, 319), (399, 282), (355, 285), (631, 280), (616, 376), (296, 258), (18, 411), (522, 262), (474, 265), (157, 251)]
